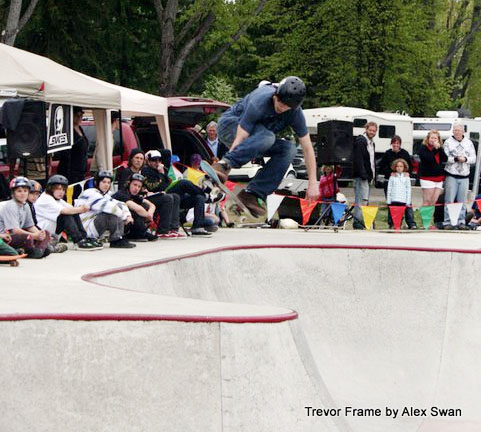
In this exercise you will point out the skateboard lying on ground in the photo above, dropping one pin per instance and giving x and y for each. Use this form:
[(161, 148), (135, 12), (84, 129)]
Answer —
[(237, 207), (11, 259)]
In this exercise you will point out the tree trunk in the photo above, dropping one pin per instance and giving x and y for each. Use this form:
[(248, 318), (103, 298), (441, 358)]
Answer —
[(15, 22), (462, 73)]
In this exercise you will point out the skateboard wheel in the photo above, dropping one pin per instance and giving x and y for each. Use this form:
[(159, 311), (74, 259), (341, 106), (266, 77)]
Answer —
[(14, 263)]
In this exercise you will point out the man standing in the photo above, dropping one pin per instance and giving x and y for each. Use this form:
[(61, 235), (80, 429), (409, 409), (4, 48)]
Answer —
[(218, 149), (249, 129), (388, 158), (460, 152), (364, 170)]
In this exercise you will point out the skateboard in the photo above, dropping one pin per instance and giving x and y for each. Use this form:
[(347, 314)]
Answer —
[(237, 206), (12, 259)]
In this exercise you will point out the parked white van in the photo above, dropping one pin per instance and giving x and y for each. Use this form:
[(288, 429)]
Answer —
[(389, 124)]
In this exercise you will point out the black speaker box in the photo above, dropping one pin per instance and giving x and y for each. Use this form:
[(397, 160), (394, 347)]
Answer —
[(334, 142), (29, 139)]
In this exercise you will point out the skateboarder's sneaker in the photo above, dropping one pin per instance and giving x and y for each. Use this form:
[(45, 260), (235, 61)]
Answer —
[(222, 169), (250, 201)]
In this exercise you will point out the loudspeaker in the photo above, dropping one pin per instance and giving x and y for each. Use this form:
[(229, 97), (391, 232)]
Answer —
[(334, 142), (29, 139)]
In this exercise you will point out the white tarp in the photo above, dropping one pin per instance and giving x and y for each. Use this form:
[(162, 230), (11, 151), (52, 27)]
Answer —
[(135, 103), (40, 78)]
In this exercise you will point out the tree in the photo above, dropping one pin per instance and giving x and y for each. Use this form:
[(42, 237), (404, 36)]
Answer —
[(184, 25), (15, 20)]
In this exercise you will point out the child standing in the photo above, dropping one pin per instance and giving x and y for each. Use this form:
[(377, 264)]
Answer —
[(399, 186), (326, 188)]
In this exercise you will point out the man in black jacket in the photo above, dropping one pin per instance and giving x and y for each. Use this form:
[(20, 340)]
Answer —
[(364, 170), (396, 152)]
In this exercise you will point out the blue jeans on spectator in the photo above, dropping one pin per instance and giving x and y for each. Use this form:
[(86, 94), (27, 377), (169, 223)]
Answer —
[(262, 142), (361, 197), (455, 190)]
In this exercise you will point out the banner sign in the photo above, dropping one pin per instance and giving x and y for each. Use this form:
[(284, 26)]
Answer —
[(60, 128)]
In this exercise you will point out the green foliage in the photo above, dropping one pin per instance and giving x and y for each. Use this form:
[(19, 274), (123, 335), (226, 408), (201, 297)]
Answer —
[(378, 54), (218, 88)]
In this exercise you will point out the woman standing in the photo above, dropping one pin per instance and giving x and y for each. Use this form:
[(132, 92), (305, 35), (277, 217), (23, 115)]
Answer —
[(431, 169)]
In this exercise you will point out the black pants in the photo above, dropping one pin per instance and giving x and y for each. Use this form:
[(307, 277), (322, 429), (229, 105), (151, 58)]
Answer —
[(167, 209), (408, 213), (191, 196), (108, 222), (72, 225)]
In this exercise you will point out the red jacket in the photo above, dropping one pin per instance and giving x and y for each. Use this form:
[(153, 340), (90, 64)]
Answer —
[(326, 185)]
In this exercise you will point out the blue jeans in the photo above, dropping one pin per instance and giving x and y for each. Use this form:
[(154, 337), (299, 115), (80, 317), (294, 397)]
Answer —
[(361, 197), (262, 142), (455, 190)]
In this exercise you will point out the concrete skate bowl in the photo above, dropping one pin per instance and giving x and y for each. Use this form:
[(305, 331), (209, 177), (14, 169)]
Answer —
[(378, 328)]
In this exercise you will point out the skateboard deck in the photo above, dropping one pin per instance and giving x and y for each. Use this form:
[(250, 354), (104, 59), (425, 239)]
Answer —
[(238, 206), (11, 259)]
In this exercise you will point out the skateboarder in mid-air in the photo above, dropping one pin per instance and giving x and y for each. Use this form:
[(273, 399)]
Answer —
[(249, 129)]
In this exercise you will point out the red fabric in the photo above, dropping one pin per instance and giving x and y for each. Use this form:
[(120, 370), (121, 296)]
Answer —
[(306, 209), (436, 156), (434, 179), (397, 213), (326, 185)]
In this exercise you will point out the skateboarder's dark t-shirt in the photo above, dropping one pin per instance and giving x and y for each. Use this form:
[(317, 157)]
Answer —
[(154, 180), (258, 107)]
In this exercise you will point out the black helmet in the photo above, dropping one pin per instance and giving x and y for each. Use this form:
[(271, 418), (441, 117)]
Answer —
[(57, 179), (19, 182), (137, 176), (35, 186), (103, 174), (291, 91)]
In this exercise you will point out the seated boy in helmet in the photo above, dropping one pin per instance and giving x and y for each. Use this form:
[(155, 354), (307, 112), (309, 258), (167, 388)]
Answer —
[(250, 127), (184, 192), (35, 191), (16, 220), (142, 210), (104, 213), (55, 215)]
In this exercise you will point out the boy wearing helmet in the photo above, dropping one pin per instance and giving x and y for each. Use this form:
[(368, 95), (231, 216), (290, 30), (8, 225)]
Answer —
[(250, 127), (104, 213), (16, 220), (142, 210), (55, 215)]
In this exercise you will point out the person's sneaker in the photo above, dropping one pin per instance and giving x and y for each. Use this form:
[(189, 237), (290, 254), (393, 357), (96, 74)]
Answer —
[(463, 227), (212, 228), (222, 169), (413, 227), (150, 237), (60, 248), (250, 201), (449, 227), (85, 245), (177, 235), (96, 242), (200, 232), (122, 244), (167, 236)]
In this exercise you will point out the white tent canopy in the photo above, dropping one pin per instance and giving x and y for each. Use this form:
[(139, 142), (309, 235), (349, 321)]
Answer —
[(135, 103), (38, 77)]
